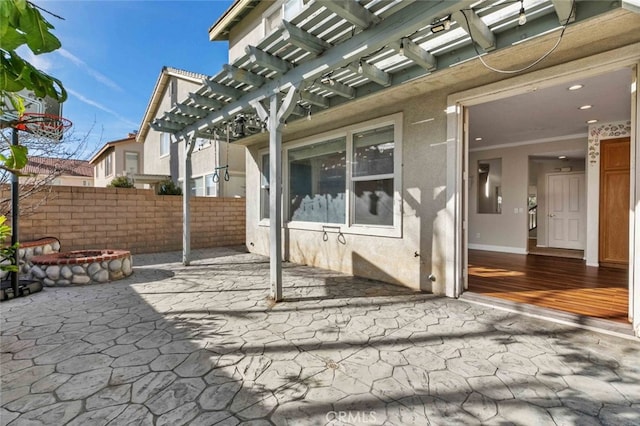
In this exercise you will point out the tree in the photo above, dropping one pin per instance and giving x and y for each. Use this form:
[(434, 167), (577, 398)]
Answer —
[(21, 23), (121, 182)]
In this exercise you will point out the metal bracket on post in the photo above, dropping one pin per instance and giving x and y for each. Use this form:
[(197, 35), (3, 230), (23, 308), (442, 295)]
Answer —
[(189, 142)]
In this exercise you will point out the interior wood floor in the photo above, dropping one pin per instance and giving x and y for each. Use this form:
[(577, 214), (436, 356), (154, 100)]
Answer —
[(551, 282)]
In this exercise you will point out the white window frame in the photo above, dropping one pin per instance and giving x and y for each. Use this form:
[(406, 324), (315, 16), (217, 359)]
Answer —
[(165, 138), (108, 165), (349, 227), (276, 8), (262, 221), (137, 154)]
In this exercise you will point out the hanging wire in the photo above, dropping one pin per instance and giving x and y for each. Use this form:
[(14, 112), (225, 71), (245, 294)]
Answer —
[(534, 63)]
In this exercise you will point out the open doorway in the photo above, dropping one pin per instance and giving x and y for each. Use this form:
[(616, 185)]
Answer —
[(537, 247)]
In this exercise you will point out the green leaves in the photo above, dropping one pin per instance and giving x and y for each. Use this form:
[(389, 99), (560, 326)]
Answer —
[(17, 158), (6, 252), (22, 23), (36, 31)]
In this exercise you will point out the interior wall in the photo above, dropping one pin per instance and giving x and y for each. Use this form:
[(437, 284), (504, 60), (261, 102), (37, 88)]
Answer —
[(508, 231)]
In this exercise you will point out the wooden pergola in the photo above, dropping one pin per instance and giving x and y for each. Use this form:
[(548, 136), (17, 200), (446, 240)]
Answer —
[(333, 52)]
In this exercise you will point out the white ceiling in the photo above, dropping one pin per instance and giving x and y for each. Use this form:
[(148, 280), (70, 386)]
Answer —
[(551, 112)]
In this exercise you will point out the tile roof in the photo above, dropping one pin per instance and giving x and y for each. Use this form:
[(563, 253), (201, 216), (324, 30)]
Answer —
[(64, 166)]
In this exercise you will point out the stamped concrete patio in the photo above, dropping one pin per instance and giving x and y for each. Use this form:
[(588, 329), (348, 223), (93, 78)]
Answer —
[(202, 345)]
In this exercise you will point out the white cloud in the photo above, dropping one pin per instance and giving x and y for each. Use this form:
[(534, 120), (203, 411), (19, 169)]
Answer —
[(98, 105), (101, 78), (41, 62)]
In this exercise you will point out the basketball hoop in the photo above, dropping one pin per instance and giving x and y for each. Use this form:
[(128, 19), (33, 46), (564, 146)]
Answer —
[(48, 126)]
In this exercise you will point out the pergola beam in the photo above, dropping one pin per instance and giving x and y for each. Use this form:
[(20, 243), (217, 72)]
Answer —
[(416, 53), (190, 110), (243, 76), (266, 60), (302, 39), (177, 118), (314, 99), (351, 11), (337, 88), (406, 21), (371, 72), (165, 126), (205, 101), (476, 28), (565, 10), (221, 89)]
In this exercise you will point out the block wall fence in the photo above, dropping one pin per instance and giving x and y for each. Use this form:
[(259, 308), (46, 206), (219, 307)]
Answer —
[(130, 219)]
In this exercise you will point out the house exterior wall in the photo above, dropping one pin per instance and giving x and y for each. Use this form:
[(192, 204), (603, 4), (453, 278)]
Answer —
[(116, 155), (102, 176), (507, 231), (206, 157), (130, 219), (251, 30), (391, 259)]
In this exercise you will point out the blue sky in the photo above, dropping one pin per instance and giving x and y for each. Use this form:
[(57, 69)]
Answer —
[(113, 51)]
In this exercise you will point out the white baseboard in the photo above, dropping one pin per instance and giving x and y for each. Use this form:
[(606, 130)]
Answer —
[(501, 249)]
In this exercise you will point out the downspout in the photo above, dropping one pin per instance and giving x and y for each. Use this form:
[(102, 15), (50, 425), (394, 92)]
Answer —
[(186, 213)]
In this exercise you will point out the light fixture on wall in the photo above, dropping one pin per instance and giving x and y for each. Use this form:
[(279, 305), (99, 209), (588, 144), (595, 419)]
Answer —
[(441, 24), (360, 70), (522, 17), (575, 87), (583, 107), (401, 51), (592, 121), (562, 157)]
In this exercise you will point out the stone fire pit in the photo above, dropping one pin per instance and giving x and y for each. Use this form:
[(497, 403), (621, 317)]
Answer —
[(81, 267)]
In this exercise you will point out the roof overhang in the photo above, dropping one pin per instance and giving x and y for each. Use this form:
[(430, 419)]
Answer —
[(339, 54), (219, 31)]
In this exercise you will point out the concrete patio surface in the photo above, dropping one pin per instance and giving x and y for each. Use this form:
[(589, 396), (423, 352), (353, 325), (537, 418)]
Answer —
[(202, 345)]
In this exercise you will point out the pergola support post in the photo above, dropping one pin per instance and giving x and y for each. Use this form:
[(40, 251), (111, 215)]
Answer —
[(186, 212), (275, 119), (275, 200)]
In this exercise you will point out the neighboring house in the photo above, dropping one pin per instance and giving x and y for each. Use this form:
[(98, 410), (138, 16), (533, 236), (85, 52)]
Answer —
[(122, 157), (210, 156), (58, 171), (412, 132)]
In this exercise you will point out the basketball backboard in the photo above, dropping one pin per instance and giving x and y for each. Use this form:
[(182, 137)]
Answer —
[(32, 104)]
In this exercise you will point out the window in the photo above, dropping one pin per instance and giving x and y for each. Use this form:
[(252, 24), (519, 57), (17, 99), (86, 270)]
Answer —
[(264, 188), (165, 142), (108, 165), (317, 182), (350, 179), (131, 162), (372, 176), (210, 187), (197, 186), (272, 21)]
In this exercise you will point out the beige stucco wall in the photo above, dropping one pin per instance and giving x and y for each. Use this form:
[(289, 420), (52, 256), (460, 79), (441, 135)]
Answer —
[(251, 30), (391, 259), (117, 155), (507, 231)]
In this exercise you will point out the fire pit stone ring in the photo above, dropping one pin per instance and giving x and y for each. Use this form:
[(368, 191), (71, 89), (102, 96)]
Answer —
[(81, 267)]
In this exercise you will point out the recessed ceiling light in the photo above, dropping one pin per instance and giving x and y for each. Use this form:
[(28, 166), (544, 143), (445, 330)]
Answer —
[(562, 157), (478, 139), (585, 107), (592, 121), (575, 87)]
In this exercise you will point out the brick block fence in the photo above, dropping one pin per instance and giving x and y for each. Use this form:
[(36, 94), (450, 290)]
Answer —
[(130, 219)]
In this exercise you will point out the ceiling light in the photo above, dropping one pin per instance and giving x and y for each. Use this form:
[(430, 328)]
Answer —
[(478, 139), (575, 87), (562, 157), (585, 107), (401, 51), (522, 17), (592, 121)]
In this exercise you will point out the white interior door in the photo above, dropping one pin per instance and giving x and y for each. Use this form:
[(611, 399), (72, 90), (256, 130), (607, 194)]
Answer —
[(566, 210)]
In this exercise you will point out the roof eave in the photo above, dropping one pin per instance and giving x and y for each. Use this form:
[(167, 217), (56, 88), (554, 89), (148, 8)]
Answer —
[(219, 31)]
